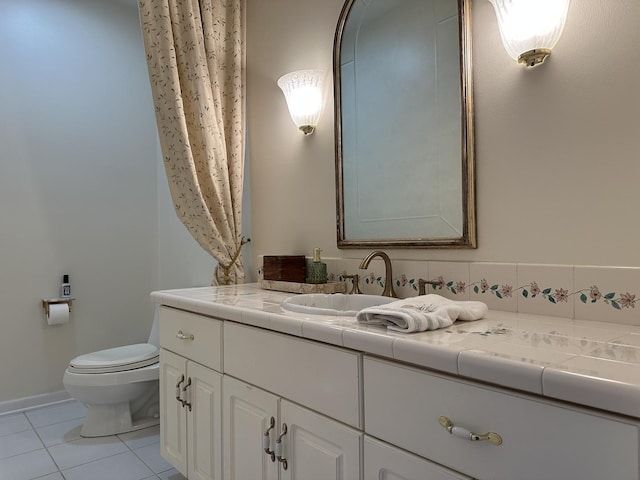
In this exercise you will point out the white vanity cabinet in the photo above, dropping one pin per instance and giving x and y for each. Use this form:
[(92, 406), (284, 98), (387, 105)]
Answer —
[(540, 439), (350, 415), (386, 462), (300, 444), (247, 419), (324, 378), (306, 445), (318, 448), (191, 394)]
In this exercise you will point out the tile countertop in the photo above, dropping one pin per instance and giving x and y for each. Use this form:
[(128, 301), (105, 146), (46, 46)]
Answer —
[(590, 363)]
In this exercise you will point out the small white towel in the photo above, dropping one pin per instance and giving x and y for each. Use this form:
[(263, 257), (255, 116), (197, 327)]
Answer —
[(425, 312)]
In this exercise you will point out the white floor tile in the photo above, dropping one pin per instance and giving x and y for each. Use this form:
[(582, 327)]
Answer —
[(60, 432), (86, 450), (125, 466), (13, 424), (172, 474), (27, 466), (53, 476), (17, 443), (56, 414), (57, 429), (141, 438), (150, 455)]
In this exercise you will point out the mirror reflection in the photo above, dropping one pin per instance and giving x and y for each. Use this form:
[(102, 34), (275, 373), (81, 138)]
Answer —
[(404, 156)]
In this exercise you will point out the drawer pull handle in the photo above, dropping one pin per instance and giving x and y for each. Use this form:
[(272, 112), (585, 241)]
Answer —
[(282, 460), (266, 440), (465, 434), (178, 393), (184, 336)]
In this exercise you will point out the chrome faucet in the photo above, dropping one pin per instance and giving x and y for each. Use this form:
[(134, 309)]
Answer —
[(388, 275)]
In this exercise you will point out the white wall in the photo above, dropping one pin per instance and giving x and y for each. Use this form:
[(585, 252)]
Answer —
[(79, 177), (556, 146)]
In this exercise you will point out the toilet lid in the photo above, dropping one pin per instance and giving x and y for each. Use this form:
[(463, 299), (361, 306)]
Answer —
[(116, 359)]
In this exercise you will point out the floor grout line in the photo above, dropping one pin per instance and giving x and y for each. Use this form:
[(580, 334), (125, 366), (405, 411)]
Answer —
[(17, 431), (45, 446), (29, 426)]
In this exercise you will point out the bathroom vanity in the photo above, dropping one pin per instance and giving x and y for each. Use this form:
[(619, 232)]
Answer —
[(252, 391)]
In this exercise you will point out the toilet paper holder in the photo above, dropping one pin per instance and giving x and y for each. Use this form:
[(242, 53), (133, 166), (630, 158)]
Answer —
[(47, 302)]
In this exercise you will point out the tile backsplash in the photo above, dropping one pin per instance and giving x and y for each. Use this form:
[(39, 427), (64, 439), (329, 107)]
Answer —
[(606, 294)]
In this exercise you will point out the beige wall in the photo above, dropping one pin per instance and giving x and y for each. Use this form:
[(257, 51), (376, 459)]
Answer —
[(557, 146)]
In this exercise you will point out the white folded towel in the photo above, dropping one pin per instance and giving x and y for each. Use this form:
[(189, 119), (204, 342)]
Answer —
[(425, 312)]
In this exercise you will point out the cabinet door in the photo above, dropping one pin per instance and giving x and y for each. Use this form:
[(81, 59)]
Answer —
[(173, 416), (247, 415), (203, 423), (385, 462), (316, 447)]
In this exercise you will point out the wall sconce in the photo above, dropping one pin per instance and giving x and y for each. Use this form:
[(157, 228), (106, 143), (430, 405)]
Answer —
[(530, 28), (303, 90)]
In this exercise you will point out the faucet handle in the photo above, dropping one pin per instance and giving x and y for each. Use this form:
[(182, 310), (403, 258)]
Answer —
[(355, 283), (422, 285)]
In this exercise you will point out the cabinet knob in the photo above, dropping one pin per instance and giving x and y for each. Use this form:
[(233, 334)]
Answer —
[(465, 434), (184, 336), (266, 440), (281, 459)]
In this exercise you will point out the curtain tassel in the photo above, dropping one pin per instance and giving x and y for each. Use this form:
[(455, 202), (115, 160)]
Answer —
[(226, 269)]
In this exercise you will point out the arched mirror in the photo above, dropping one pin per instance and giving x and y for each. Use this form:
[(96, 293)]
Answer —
[(404, 124)]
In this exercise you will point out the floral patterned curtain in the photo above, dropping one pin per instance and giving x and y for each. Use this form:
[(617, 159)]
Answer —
[(195, 56)]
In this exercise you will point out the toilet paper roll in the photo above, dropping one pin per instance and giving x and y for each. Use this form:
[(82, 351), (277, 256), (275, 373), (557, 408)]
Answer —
[(58, 314)]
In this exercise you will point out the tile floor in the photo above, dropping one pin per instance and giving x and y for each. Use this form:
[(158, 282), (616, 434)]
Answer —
[(45, 444)]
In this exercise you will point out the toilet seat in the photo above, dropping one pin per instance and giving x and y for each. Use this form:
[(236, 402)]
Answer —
[(73, 379), (119, 359)]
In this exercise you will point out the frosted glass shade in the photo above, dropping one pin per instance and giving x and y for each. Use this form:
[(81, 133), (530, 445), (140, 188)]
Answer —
[(303, 91), (530, 28)]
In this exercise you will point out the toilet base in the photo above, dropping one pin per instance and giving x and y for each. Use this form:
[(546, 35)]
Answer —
[(112, 419), (117, 402), (104, 419)]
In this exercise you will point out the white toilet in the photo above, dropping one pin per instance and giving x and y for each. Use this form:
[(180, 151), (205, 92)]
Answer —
[(119, 387)]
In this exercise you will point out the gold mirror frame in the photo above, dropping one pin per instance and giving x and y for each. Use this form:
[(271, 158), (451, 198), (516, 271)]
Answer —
[(468, 237)]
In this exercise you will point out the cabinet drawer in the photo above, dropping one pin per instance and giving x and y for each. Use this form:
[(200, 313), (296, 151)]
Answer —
[(321, 377), (540, 439), (385, 462), (177, 328)]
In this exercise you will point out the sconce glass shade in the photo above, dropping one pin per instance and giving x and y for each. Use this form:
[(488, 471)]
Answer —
[(303, 91), (530, 28)]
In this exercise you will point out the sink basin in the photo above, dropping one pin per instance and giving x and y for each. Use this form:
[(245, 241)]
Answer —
[(337, 304)]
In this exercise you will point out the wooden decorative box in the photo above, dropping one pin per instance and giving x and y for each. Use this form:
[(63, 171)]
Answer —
[(286, 268)]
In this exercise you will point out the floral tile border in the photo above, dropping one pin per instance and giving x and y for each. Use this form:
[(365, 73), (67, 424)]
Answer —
[(486, 288), (605, 294), (544, 289)]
